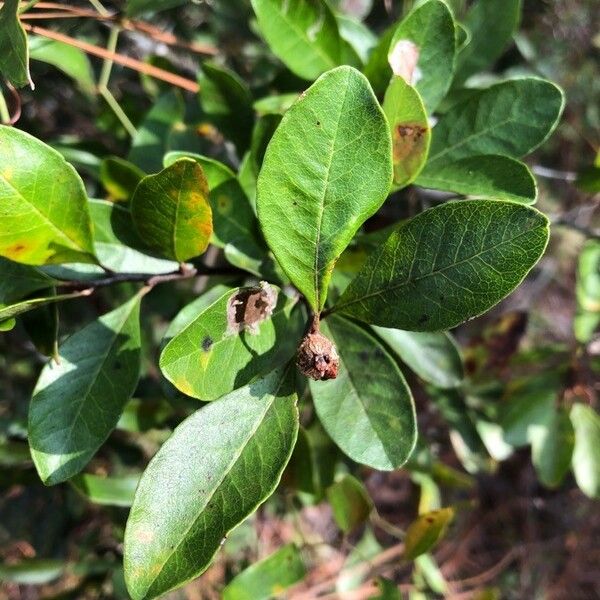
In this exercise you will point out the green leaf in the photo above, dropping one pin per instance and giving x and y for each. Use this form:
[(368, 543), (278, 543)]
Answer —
[(350, 503), (107, 491), (552, 448), (247, 332), (77, 402), (171, 213), (510, 118), (18, 281), (485, 176), (303, 34), (14, 310), (446, 265), (14, 53), (326, 170), (269, 577), (44, 204), (434, 357), (150, 144), (227, 101), (68, 59), (426, 531), (117, 243), (368, 410), (119, 177), (411, 134), (137, 7), (357, 35), (491, 24), (430, 27), (586, 454), (388, 590), (216, 468), (587, 292), (34, 571)]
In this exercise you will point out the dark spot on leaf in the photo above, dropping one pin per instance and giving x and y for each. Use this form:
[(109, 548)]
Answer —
[(430, 519), (423, 319), (207, 343), (363, 355), (117, 365), (318, 122)]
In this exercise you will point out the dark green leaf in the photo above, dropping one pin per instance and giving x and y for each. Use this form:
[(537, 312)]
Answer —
[(432, 356), (245, 333), (486, 176), (217, 467), (426, 531), (24, 306), (41, 326), (171, 213), (269, 577), (107, 491), (77, 402), (411, 134), (586, 454), (350, 503), (44, 204), (18, 281), (368, 410), (14, 54), (510, 118), (327, 169), (137, 7), (119, 177), (446, 265), (303, 34)]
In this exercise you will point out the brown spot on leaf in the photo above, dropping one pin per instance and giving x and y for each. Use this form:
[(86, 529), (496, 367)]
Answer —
[(247, 309), (207, 343), (409, 141)]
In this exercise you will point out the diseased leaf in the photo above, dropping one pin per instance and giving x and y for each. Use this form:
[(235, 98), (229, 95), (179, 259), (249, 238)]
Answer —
[(171, 213), (326, 170), (491, 24), (267, 577), (44, 204), (14, 53), (510, 118), (426, 531), (411, 133), (117, 244), (107, 491), (484, 176), (586, 454), (303, 34), (432, 356), (216, 468), (119, 177), (446, 265), (77, 402), (350, 503), (247, 332), (368, 409)]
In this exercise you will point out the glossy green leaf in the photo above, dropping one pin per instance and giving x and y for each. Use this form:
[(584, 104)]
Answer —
[(107, 491), (429, 27), (269, 577), (426, 531), (491, 24), (77, 402), (446, 265), (14, 53), (227, 101), (119, 177), (303, 34), (434, 357), (326, 170), (117, 244), (586, 454), (150, 143), (552, 448), (411, 133), (510, 118), (587, 317), (68, 59), (216, 468), (350, 503), (368, 409), (171, 213), (44, 204), (245, 333)]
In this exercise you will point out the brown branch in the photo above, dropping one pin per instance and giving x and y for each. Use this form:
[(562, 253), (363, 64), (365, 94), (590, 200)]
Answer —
[(126, 61)]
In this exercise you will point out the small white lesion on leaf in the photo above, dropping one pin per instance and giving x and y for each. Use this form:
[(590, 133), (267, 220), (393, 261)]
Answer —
[(403, 60), (249, 307)]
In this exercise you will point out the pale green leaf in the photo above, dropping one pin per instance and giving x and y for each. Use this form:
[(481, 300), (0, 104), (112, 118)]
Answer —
[(327, 169), (216, 468), (446, 265), (586, 454), (587, 292), (107, 491)]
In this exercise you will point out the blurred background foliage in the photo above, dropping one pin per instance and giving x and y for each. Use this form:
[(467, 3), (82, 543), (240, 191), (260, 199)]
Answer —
[(497, 450)]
